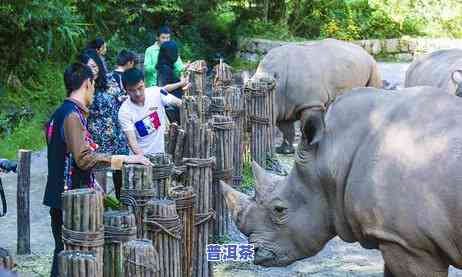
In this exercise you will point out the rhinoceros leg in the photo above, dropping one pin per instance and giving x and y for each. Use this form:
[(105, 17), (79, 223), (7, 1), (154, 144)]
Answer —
[(288, 132), (401, 263), (387, 272)]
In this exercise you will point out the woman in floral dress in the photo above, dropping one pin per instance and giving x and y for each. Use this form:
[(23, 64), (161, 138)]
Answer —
[(103, 119)]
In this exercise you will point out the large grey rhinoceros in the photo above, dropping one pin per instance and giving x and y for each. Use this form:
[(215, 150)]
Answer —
[(441, 69), (314, 73), (381, 169)]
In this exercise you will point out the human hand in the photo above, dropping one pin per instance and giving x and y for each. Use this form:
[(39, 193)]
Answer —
[(185, 84), (138, 159)]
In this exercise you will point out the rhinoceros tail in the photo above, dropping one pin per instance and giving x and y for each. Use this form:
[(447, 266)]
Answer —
[(375, 80)]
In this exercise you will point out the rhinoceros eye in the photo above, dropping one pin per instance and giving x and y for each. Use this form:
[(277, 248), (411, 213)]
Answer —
[(279, 214), (279, 209)]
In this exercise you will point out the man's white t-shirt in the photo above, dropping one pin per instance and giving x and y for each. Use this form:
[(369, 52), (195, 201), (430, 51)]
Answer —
[(150, 139)]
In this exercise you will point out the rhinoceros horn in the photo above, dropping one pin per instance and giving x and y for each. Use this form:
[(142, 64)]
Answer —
[(238, 204), (263, 185)]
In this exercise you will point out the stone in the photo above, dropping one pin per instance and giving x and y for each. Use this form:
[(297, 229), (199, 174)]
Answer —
[(253, 57), (392, 46), (376, 47), (404, 45)]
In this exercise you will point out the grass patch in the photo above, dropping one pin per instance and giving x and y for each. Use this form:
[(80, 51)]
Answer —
[(37, 265), (240, 64), (26, 107), (225, 239), (248, 182)]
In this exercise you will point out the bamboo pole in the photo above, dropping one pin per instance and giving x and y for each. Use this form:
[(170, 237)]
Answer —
[(172, 138), (184, 198), (223, 140), (260, 92), (199, 163), (223, 75), (137, 189), (162, 172), (234, 107), (83, 228), (74, 263), (141, 259), (23, 202), (163, 227), (119, 228), (197, 77)]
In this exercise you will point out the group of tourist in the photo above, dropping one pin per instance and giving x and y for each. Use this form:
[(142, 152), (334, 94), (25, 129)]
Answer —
[(109, 118)]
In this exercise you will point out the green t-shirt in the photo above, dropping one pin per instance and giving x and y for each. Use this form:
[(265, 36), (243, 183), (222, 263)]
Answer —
[(150, 61)]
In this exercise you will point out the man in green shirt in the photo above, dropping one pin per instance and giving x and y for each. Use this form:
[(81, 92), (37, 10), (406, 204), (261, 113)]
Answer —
[(151, 55)]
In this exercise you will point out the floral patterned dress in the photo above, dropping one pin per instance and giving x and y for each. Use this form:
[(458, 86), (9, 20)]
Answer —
[(103, 120)]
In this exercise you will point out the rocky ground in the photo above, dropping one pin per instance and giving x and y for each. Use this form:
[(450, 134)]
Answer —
[(336, 259)]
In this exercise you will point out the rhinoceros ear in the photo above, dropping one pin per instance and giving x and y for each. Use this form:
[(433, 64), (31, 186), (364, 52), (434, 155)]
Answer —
[(312, 125), (263, 184), (457, 76)]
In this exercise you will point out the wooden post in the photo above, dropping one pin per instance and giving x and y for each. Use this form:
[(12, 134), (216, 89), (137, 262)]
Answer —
[(217, 106), (260, 111), (195, 105), (141, 259), (163, 227), (6, 260), (184, 201), (119, 228), (234, 107), (223, 170), (162, 171), (223, 76), (197, 76), (77, 264), (137, 190), (199, 163), (83, 228), (22, 201), (172, 137)]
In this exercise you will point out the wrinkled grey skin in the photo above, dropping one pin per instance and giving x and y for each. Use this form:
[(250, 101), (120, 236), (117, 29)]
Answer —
[(381, 169), (315, 74), (439, 69)]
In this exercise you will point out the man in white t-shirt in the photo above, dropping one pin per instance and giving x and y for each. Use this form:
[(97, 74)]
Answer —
[(142, 116)]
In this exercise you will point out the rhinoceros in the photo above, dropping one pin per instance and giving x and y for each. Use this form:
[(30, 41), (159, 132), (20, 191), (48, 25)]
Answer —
[(381, 169), (441, 69), (314, 73)]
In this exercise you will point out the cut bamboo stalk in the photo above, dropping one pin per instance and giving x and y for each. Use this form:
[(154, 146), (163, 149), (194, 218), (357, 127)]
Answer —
[(197, 77), (74, 263), (140, 259), (119, 228), (184, 198), (137, 189), (223, 127), (223, 75), (199, 163), (83, 229), (162, 172), (163, 227), (260, 93)]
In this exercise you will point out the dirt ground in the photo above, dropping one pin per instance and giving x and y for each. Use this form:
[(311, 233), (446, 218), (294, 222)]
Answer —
[(337, 258)]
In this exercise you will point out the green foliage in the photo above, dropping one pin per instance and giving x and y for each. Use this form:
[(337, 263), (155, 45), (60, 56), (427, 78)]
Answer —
[(24, 111), (248, 183), (241, 64), (33, 31), (225, 239)]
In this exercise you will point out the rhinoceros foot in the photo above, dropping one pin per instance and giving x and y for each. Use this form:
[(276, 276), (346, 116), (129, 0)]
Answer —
[(285, 149)]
